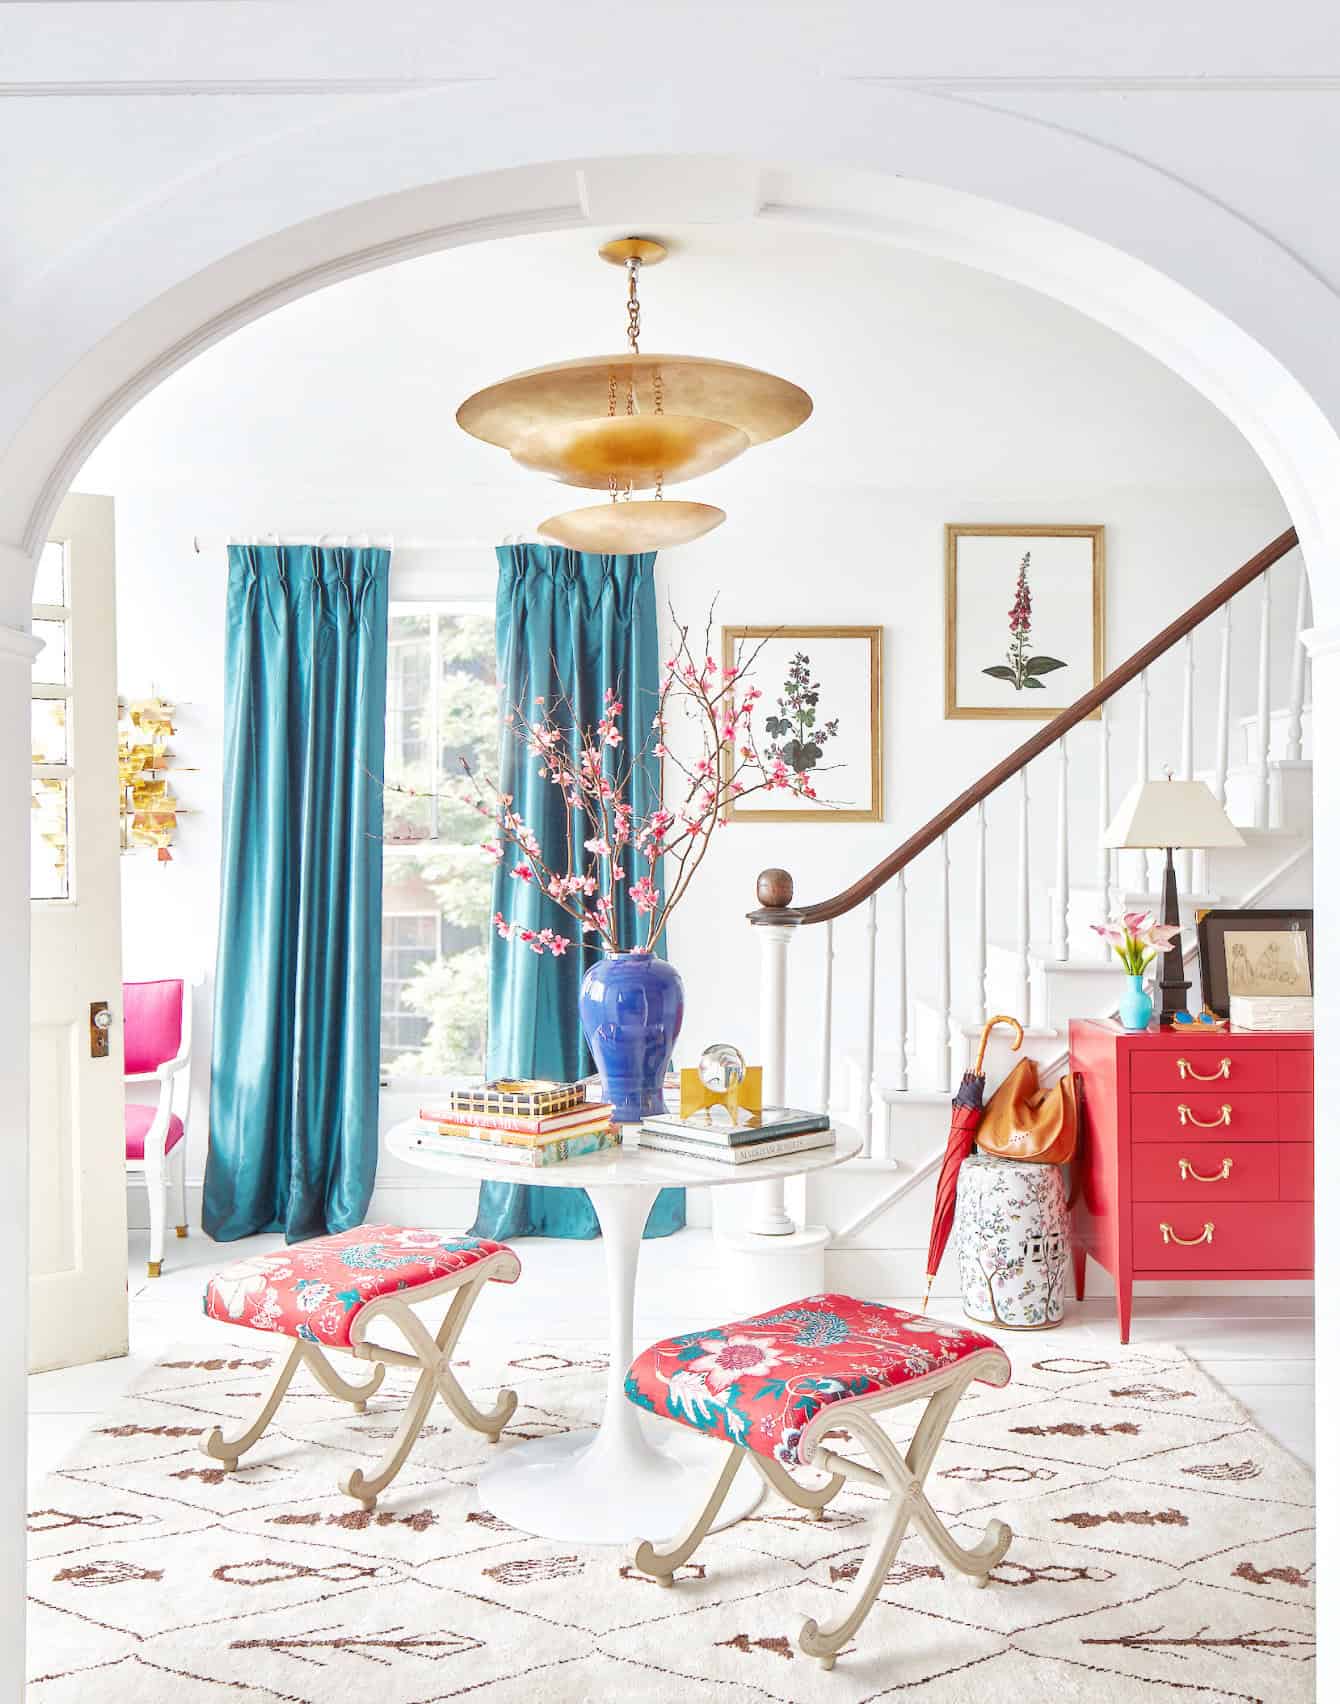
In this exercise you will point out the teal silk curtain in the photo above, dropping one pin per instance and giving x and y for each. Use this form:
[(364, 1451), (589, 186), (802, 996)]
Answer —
[(568, 626), (297, 999)]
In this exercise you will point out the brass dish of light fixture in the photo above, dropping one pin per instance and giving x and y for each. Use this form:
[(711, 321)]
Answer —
[(759, 404), (619, 529), (636, 451), (633, 422)]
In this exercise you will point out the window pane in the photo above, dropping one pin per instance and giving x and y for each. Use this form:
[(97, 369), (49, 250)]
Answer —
[(441, 707), (49, 583), (50, 877), (51, 665), (51, 742)]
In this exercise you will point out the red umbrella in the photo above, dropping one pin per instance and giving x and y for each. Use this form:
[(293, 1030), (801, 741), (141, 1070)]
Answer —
[(967, 1105)]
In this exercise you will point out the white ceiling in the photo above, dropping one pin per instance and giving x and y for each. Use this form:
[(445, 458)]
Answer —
[(925, 374)]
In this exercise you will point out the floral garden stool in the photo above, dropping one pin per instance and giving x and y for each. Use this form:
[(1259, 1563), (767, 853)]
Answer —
[(326, 1293), (777, 1384)]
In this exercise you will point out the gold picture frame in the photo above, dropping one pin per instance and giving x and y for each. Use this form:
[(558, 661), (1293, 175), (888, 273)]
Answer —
[(732, 638), (955, 710)]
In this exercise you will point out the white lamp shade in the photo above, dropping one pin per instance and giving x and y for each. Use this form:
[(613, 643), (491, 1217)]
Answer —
[(1171, 813)]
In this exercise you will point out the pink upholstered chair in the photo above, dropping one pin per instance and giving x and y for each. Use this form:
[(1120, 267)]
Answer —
[(158, 1050)]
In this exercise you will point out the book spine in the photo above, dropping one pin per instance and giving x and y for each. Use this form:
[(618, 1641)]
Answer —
[(738, 1138), (525, 1159), (775, 1149), (493, 1138), (506, 1121)]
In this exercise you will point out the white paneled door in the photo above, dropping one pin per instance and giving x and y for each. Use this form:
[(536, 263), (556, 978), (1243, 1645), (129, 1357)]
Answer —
[(77, 1142)]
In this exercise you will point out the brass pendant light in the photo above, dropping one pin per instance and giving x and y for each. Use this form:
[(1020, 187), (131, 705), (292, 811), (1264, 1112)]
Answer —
[(603, 424)]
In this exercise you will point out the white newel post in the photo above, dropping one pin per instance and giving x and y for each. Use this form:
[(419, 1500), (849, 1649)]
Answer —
[(774, 1260), (17, 650), (769, 1217)]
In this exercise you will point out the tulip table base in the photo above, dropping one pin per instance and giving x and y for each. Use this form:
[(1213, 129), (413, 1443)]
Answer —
[(613, 1484)]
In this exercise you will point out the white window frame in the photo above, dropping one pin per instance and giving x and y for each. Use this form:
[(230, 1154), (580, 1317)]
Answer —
[(397, 1088)]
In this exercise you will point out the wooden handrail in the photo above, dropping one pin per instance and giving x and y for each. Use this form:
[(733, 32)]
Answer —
[(775, 885)]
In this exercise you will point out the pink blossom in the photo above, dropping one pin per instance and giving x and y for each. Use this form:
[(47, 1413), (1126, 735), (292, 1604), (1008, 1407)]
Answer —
[(492, 849), (599, 846), (521, 873), (643, 895), (1135, 921)]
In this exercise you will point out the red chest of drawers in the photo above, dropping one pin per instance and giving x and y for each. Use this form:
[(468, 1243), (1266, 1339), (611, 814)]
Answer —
[(1195, 1156)]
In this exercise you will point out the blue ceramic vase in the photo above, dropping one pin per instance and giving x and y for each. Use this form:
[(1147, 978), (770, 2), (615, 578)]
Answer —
[(631, 1007), (1135, 1007)]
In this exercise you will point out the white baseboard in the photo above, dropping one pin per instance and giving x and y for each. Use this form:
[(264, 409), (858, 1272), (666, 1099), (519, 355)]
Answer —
[(415, 1202)]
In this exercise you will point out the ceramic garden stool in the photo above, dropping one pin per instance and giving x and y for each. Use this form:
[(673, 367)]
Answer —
[(777, 1384), (1013, 1232), (326, 1293)]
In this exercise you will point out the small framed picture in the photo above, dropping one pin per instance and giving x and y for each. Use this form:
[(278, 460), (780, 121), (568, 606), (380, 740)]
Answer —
[(1023, 619), (1253, 953), (821, 712)]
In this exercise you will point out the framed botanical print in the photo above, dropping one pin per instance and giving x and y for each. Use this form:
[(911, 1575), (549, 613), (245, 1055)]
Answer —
[(1023, 619), (820, 711)]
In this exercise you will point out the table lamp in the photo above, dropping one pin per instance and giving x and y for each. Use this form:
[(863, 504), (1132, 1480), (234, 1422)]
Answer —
[(1171, 814)]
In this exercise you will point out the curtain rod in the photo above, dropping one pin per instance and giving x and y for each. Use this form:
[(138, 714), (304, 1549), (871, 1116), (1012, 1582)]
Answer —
[(204, 542)]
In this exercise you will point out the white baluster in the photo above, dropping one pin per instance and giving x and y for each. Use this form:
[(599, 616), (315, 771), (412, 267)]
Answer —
[(1105, 813), (979, 924), (769, 1217), (826, 1022), (1148, 864), (942, 1064), (1221, 731), (900, 977), (1293, 749), (1261, 814), (868, 1047), (1185, 861), (1061, 892), (1025, 883)]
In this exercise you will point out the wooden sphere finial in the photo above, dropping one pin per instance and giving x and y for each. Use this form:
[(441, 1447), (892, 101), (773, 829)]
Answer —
[(775, 889)]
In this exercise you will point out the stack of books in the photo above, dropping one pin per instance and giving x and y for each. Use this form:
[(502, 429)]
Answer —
[(518, 1123), (1270, 1011), (776, 1132)]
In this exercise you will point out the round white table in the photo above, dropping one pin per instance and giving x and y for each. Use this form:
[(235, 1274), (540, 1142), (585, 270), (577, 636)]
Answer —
[(613, 1484)]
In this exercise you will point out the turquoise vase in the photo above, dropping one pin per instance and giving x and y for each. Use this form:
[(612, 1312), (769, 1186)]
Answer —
[(1135, 1007)]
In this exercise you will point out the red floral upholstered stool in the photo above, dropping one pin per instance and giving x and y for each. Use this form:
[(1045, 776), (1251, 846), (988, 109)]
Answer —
[(325, 1294), (777, 1384)]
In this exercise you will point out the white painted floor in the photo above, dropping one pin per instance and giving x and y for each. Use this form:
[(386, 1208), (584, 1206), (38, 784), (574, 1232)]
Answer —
[(1258, 1347)]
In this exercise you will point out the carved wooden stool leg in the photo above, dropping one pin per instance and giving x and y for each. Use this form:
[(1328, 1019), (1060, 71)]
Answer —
[(781, 1482), (228, 1450), (364, 1489), (661, 1564), (331, 1381)]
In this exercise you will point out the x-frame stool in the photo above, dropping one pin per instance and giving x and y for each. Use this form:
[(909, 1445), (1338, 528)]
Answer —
[(430, 1354), (902, 1478)]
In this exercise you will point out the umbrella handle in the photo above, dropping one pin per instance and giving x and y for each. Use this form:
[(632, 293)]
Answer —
[(1000, 1018)]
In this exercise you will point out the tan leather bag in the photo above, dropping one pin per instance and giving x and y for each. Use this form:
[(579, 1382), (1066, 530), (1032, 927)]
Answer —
[(1024, 1122)]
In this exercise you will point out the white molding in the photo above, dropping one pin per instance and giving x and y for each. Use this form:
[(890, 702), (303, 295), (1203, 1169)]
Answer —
[(351, 263), (1321, 641)]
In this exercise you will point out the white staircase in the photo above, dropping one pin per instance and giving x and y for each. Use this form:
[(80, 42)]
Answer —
[(983, 916)]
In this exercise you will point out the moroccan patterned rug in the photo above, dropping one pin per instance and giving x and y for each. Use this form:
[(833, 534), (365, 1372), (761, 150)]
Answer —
[(1163, 1550)]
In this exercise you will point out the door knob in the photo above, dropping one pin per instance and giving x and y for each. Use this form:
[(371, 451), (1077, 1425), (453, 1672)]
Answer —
[(99, 1023)]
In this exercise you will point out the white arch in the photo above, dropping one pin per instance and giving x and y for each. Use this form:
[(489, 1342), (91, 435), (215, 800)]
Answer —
[(1213, 298)]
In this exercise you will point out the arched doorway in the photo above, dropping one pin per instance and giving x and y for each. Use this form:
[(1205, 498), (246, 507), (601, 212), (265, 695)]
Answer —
[(1232, 368)]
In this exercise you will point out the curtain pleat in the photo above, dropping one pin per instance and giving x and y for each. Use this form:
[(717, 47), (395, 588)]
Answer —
[(297, 1003), (568, 626)]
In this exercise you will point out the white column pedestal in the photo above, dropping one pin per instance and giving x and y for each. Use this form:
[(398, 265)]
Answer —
[(760, 1272)]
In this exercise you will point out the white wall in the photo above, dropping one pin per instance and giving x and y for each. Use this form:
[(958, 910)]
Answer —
[(941, 394)]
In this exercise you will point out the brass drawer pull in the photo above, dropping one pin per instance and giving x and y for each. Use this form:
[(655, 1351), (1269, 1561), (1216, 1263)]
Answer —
[(1188, 1170), (1186, 1116), (1206, 1235), (1186, 1069)]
